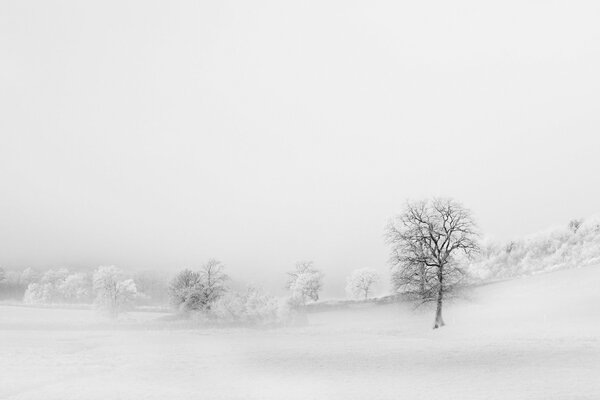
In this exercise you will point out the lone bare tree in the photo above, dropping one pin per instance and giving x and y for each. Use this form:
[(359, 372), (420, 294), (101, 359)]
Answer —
[(361, 282), (426, 240)]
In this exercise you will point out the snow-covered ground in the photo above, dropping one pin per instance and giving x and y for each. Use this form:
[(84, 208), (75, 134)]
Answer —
[(530, 338)]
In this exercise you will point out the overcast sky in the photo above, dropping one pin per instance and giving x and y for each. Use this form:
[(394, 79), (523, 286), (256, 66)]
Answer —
[(159, 134)]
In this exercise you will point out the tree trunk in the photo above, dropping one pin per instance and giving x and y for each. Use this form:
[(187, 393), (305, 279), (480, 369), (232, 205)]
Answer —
[(439, 321)]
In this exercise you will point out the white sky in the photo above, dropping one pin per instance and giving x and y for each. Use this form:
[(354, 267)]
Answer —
[(159, 134)]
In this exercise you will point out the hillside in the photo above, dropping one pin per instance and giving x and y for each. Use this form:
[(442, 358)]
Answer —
[(550, 250), (556, 303)]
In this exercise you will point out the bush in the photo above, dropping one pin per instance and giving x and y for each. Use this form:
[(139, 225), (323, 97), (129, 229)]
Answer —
[(252, 308)]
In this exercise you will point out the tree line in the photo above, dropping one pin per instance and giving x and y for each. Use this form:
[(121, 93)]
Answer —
[(430, 242)]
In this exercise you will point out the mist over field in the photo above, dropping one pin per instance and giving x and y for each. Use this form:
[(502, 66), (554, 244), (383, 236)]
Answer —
[(529, 338), (312, 200)]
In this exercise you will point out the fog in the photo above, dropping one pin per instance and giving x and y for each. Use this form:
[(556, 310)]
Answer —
[(156, 135), (195, 198)]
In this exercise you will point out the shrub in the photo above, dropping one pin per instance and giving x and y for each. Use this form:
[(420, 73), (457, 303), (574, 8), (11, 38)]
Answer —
[(252, 307)]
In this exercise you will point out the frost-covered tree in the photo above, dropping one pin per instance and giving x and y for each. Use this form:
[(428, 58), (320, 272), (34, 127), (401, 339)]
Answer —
[(55, 276), (36, 293), (198, 290), (76, 288), (305, 282), (361, 283), (30, 275), (49, 288), (187, 292), (2, 275), (56, 286), (114, 293), (548, 250), (214, 280), (427, 240)]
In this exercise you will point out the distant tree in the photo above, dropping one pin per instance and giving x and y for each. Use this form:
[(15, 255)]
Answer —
[(575, 224), (51, 283), (361, 282), (305, 282), (76, 288), (55, 276), (56, 286), (36, 293), (187, 292), (2, 275), (45, 290), (198, 291), (114, 293), (426, 240), (30, 275), (214, 280)]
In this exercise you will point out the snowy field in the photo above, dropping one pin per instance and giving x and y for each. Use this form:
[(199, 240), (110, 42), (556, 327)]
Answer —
[(530, 338)]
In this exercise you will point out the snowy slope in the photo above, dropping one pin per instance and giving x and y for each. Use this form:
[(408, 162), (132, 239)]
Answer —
[(551, 250)]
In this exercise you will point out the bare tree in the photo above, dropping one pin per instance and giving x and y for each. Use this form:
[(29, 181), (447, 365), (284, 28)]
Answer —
[(187, 291), (360, 283), (426, 240), (197, 291), (214, 279)]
